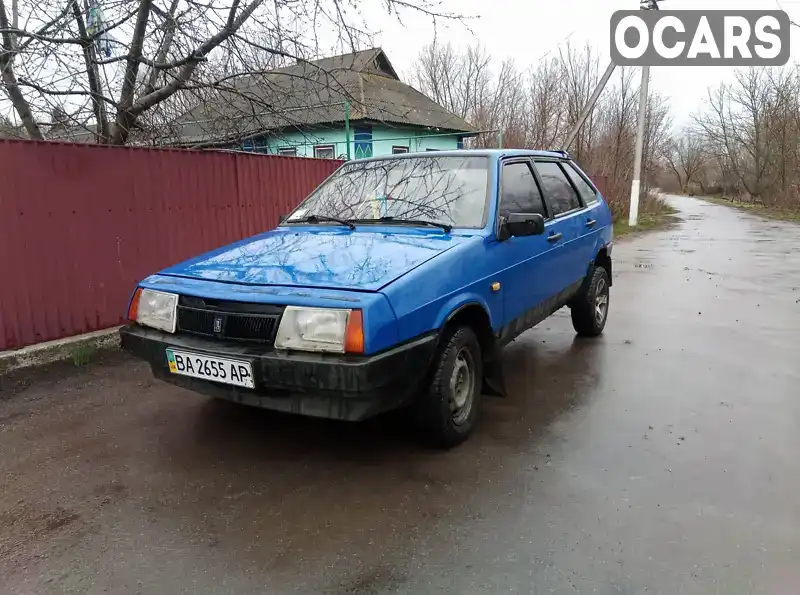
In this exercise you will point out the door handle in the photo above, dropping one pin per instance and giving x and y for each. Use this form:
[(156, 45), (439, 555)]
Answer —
[(591, 223), (554, 237)]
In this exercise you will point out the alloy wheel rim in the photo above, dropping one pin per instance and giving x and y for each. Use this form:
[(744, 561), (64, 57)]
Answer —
[(601, 302)]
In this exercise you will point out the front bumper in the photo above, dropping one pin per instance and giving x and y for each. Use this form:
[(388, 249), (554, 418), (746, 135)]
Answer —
[(332, 386)]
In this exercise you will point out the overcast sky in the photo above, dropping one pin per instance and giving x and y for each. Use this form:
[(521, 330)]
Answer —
[(527, 30)]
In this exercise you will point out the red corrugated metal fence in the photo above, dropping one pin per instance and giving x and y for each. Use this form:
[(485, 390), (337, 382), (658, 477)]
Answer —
[(81, 224)]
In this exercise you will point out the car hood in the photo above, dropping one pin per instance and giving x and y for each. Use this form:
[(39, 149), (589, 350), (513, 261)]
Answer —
[(336, 259)]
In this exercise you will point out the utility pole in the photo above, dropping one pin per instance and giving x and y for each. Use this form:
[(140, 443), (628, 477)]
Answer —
[(636, 184), (587, 110)]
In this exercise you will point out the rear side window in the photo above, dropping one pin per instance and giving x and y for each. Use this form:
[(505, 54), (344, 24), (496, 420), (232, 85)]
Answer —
[(519, 192), (587, 192), (559, 191)]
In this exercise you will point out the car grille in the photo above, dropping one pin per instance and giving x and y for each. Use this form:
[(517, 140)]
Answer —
[(230, 321)]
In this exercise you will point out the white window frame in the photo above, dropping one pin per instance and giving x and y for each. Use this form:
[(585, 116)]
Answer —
[(399, 149), (287, 151), (330, 148)]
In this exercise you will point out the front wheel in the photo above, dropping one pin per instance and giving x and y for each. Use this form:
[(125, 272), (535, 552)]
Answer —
[(449, 409), (590, 310)]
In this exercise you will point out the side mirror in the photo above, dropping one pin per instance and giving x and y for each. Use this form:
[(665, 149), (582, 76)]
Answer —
[(281, 219), (521, 225)]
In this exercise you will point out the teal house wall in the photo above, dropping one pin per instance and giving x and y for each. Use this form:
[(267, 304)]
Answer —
[(365, 141)]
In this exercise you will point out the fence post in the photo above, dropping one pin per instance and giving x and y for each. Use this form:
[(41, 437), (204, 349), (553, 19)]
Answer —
[(347, 127)]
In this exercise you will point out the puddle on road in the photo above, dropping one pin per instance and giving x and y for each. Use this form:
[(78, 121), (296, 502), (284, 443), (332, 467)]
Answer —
[(705, 272)]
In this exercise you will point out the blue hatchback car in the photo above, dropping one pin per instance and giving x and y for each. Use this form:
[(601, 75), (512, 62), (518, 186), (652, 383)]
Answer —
[(394, 284)]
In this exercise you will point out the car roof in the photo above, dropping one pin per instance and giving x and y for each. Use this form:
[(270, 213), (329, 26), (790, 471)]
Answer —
[(493, 153)]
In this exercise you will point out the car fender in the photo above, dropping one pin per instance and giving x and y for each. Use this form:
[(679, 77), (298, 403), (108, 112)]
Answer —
[(493, 382), (602, 243), (457, 303)]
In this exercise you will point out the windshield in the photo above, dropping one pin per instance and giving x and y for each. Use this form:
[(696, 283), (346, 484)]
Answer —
[(448, 190)]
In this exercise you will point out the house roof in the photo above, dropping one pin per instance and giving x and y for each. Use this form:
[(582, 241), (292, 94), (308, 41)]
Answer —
[(314, 93)]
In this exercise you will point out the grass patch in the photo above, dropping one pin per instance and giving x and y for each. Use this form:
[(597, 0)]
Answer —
[(83, 355), (661, 217), (768, 212)]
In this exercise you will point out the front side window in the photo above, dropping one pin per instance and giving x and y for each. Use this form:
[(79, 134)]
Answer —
[(396, 150), (519, 192), (559, 191), (287, 151), (449, 190)]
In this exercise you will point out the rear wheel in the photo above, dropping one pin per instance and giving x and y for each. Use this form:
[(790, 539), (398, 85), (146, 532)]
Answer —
[(590, 309), (449, 409)]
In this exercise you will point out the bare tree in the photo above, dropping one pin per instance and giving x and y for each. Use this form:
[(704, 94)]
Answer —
[(686, 157), (7, 129), (579, 75), (128, 65), (750, 132), (547, 109)]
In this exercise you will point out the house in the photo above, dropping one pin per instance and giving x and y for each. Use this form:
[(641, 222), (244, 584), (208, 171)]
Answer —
[(348, 106)]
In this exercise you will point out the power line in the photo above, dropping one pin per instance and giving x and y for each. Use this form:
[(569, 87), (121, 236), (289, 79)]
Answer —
[(787, 14)]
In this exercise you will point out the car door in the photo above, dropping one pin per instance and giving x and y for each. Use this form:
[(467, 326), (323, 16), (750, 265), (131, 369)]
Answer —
[(593, 219), (528, 276), (568, 219)]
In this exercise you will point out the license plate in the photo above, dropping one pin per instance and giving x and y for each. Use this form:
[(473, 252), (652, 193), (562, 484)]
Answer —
[(211, 367)]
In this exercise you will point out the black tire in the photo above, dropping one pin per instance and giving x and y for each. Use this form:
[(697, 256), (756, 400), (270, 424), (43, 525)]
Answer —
[(441, 424), (586, 318)]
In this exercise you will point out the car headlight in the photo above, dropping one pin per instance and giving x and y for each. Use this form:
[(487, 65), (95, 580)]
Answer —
[(320, 329), (155, 309)]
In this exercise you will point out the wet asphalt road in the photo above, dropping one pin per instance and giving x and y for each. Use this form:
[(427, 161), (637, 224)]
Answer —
[(662, 458)]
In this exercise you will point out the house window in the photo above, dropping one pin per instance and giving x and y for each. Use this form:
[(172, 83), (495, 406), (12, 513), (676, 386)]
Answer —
[(287, 151), (397, 150), (324, 152), (433, 149)]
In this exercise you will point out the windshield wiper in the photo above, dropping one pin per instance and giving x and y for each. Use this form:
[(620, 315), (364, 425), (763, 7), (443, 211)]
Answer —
[(323, 219), (445, 226)]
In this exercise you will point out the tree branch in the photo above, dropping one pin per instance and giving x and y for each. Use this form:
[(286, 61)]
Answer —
[(44, 28), (21, 105), (14, 20), (124, 118), (78, 93), (232, 14), (93, 75), (39, 35), (153, 64), (187, 71), (163, 50)]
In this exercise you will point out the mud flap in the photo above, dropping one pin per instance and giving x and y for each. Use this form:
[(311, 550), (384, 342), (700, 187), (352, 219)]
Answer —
[(494, 383)]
